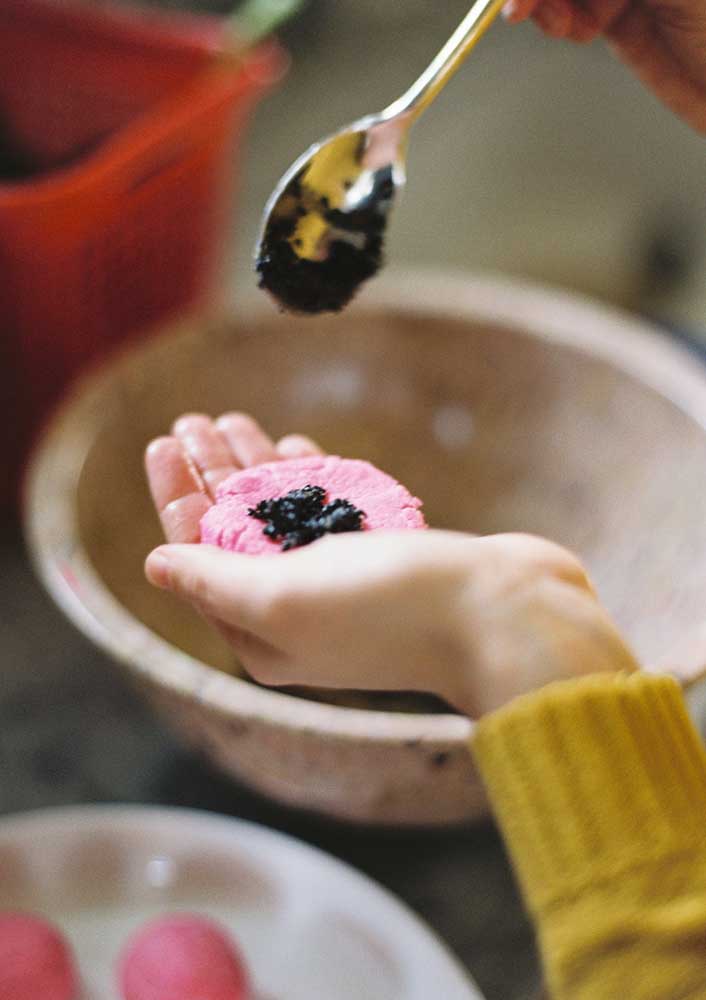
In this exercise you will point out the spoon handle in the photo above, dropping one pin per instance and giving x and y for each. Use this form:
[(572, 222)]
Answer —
[(435, 77)]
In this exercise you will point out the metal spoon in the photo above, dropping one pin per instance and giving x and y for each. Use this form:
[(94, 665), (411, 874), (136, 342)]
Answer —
[(323, 226)]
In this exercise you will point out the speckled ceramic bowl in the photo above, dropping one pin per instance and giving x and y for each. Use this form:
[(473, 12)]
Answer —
[(504, 407)]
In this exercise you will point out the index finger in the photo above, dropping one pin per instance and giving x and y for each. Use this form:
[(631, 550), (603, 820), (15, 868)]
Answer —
[(206, 449), (177, 491)]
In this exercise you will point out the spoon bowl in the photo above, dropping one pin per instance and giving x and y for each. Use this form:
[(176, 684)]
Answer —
[(325, 223), (323, 227)]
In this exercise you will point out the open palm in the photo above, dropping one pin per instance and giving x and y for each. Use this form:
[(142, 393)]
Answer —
[(185, 468), (475, 620)]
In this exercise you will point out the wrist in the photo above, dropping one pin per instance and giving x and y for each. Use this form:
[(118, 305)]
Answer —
[(525, 616), (464, 626)]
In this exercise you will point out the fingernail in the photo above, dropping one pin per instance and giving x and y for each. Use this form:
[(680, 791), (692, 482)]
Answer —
[(509, 11), (157, 569)]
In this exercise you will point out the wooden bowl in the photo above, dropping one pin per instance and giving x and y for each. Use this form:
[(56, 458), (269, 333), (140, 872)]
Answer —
[(503, 406)]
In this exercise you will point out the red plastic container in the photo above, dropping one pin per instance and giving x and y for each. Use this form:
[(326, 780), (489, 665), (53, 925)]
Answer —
[(129, 122)]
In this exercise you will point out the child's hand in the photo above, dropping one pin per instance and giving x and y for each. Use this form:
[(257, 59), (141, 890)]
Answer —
[(663, 41), (474, 620), (185, 468)]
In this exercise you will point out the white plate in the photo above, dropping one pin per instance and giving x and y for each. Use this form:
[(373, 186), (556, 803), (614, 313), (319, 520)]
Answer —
[(311, 928)]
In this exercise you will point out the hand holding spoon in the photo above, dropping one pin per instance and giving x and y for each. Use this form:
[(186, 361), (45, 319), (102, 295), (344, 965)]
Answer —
[(324, 225)]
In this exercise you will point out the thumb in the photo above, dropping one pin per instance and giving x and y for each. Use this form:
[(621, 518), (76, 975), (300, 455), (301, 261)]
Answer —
[(221, 584)]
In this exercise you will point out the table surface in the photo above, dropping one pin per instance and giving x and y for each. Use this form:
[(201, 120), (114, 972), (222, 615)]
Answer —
[(72, 731)]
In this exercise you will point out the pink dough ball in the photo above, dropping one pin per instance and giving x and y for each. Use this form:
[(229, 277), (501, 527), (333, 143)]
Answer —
[(182, 957), (35, 961), (386, 503)]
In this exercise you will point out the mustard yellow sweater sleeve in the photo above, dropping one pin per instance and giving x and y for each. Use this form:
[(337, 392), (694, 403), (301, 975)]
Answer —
[(599, 788)]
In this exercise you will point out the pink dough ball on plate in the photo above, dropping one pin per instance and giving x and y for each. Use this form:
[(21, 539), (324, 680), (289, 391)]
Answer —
[(182, 957), (35, 961)]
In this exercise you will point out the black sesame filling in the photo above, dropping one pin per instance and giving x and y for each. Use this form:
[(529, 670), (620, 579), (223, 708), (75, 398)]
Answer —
[(302, 516), (353, 257)]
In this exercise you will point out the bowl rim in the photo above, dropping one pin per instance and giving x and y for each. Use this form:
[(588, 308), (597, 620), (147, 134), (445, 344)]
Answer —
[(633, 345)]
